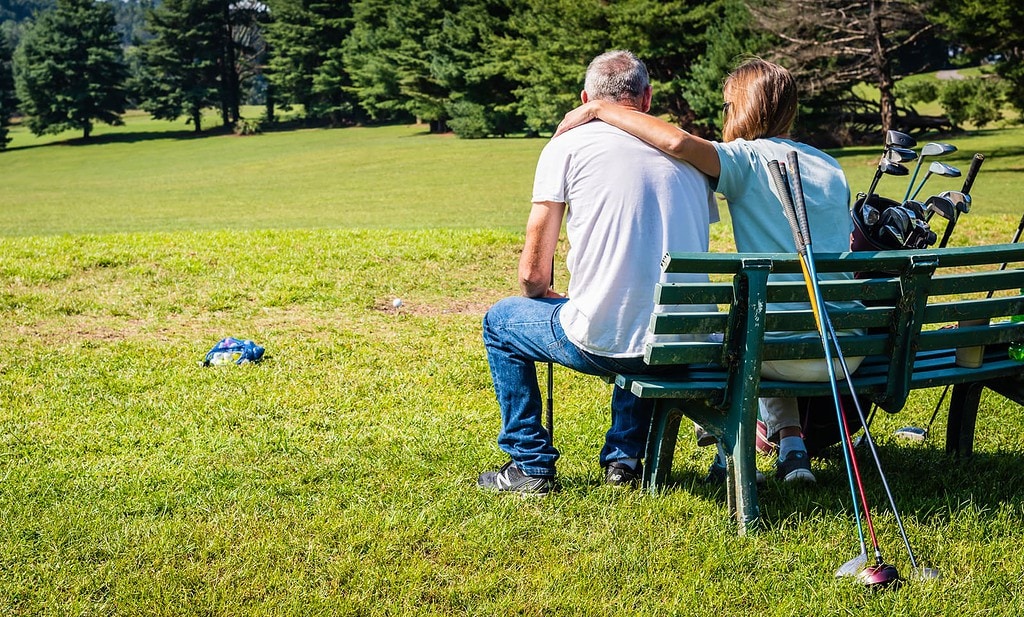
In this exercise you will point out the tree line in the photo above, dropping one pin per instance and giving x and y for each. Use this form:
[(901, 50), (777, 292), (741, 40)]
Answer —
[(492, 67)]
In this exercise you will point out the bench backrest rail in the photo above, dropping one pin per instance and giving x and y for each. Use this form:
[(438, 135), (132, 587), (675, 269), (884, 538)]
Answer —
[(908, 300)]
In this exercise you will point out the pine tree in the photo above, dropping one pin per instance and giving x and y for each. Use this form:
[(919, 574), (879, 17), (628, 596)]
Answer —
[(69, 69), (181, 73), (306, 66), (7, 99)]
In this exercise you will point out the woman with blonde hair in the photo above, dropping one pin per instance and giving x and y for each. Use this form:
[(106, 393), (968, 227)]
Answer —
[(760, 108)]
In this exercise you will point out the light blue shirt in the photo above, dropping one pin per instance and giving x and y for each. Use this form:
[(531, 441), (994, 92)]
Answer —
[(758, 223)]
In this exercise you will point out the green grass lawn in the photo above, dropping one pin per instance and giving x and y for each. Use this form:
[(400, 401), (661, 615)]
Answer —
[(337, 477)]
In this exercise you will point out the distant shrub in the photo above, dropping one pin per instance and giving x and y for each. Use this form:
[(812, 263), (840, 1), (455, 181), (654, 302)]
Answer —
[(249, 126), (978, 100), (469, 120)]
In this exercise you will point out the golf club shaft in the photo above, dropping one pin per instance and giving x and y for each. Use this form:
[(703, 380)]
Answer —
[(825, 329), (789, 211), (910, 184), (972, 173), (867, 435), (949, 231), (549, 412), (1002, 266)]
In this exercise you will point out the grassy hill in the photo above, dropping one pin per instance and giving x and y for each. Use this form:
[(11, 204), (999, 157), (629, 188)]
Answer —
[(336, 478)]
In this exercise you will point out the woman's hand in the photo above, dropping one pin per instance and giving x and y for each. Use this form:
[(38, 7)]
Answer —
[(581, 115)]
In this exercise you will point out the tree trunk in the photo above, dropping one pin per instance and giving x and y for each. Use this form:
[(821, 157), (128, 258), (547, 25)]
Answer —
[(197, 120), (887, 98), (229, 74)]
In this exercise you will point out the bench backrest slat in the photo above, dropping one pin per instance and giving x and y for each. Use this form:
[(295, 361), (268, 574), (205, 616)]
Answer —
[(910, 296)]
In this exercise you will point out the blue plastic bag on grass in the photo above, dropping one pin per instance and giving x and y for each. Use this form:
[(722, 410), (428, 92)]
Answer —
[(233, 351)]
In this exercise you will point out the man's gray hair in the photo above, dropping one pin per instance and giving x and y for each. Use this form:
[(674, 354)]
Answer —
[(615, 76)]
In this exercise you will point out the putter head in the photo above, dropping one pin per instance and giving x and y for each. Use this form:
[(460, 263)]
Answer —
[(922, 573), (933, 148), (942, 169), (912, 433), (879, 576), (899, 140), (900, 155)]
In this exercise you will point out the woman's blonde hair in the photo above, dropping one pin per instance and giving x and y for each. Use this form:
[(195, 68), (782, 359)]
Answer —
[(760, 101)]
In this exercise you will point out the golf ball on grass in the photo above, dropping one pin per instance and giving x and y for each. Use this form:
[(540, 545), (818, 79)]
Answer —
[(397, 302)]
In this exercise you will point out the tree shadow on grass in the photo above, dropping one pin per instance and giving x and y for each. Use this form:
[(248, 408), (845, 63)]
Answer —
[(127, 138)]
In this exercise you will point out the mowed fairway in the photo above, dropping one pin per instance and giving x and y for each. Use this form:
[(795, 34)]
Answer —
[(337, 477), (149, 177)]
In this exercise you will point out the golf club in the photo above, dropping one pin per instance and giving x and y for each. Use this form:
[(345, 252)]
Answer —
[(920, 434), (900, 155), (899, 140), (929, 149), (940, 169), (916, 433), (799, 237), (549, 412), (880, 574), (965, 205), (889, 168), (961, 200), (937, 204), (972, 172)]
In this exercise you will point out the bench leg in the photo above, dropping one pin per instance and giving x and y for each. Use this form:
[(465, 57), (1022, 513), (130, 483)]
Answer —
[(661, 443), (963, 415), (738, 437), (741, 479)]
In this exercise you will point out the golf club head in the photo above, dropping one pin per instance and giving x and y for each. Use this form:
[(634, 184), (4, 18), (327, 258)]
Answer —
[(933, 148), (878, 576), (912, 433), (900, 218), (943, 169), (899, 140), (914, 206), (891, 237), (900, 155), (922, 236), (922, 573), (869, 214), (853, 567), (892, 168), (942, 206), (961, 201)]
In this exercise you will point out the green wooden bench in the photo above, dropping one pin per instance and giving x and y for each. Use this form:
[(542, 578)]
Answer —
[(717, 383)]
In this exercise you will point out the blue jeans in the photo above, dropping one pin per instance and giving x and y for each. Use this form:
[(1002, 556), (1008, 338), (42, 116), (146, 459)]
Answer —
[(518, 333)]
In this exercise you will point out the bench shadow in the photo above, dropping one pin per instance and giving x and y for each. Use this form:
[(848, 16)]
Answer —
[(927, 484)]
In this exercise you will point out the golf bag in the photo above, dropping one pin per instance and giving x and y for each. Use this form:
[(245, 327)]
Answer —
[(820, 424), (881, 224)]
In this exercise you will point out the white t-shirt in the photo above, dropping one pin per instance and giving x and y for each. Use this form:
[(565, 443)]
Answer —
[(628, 204)]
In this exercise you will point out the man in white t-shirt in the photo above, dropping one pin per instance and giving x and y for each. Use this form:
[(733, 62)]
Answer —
[(625, 205)]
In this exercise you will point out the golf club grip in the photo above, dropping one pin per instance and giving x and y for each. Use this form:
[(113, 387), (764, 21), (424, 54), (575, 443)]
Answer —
[(787, 203), (972, 173), (799, 207)]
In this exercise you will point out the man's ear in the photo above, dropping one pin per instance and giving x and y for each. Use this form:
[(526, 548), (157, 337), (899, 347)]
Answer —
[(583, 96), (646, 103)]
